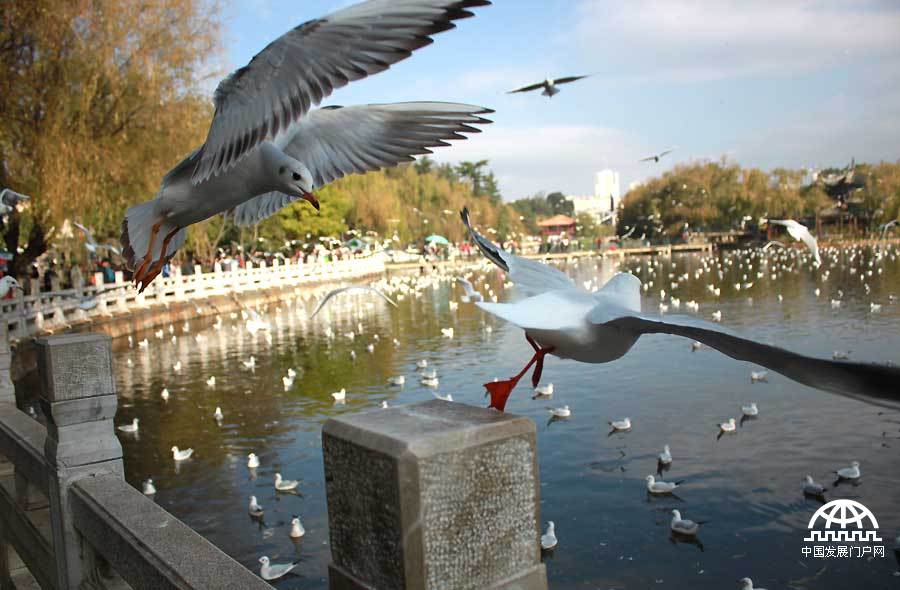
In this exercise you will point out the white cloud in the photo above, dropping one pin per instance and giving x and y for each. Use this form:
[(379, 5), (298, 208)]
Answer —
[(691, 40)]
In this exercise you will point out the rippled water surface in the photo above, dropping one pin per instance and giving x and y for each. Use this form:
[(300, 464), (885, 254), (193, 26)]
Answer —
[(747, 485)]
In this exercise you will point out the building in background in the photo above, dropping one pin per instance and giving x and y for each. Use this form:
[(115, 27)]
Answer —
[(603, 205)]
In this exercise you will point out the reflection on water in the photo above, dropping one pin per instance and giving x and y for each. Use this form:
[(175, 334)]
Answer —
[(746, 486)]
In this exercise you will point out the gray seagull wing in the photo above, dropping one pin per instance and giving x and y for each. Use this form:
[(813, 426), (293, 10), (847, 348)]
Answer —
[(335, 141), (303, 66)]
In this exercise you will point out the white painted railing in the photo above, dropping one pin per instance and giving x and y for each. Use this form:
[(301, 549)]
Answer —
[(57, 309)]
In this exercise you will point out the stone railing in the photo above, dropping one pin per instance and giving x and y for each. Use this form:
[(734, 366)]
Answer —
[(53, 310), (67, 516), (429, 495)]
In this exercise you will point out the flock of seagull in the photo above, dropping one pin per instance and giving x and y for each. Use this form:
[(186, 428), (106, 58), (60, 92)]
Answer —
[(753, 268)]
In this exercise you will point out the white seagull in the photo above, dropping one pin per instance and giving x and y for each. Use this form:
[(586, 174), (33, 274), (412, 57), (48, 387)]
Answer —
[(335, 292), (800, 233), (397, 380), (339, 396), (182, 455), (549, 85), (623, 424), (297, 529), (133, 427), (266, 148), (681, 526), (851, 472), (252, 461), (285, 485), (756, 376), (548, 539), (747, 584), (811, 488), (602, 326), (471, 295), (149, 488), (273, 571), (750, 409), (666, 456), (217, 415), (254, 508), (563, 412), (729, 426), (8, 283), (661, 487), (543, 390)]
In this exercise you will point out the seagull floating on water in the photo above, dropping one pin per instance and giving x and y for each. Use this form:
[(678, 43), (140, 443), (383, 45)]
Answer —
[(211, 382), (149, 488), (297, 529), (543, 390), (563, 412), (666, 456), (750, 409), (851, 472), (623, 424), (602, 326), (254, 508), (273, 571), (285, 485), (549, 85), (217, 415), (252, 461), (133, 427), (811, 488), (747, 584), (756, 376), (182, 455), (682, 526), (661, 487), (339, 396), (265, 148), (397, 380), (548, 539)]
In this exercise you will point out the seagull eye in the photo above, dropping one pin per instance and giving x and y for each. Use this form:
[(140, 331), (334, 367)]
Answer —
[(296, 176)]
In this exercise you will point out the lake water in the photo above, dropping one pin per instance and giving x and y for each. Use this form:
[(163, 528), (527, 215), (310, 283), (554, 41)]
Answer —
[(612, 535)]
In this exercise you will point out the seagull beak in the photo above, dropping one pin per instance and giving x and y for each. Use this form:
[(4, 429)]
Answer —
[(310, 198)]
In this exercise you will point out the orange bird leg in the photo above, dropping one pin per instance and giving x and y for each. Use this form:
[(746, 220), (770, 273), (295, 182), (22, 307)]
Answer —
[(154, 270), (149, 257), (500, 390)]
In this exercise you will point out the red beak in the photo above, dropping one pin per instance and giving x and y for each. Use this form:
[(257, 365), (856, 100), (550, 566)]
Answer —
[(311, 199)]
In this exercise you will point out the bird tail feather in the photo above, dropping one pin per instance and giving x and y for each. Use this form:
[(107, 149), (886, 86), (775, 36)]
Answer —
[(136, 230)]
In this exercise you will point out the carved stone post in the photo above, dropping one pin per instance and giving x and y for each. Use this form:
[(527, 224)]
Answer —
[(433, 495), (79, 399)]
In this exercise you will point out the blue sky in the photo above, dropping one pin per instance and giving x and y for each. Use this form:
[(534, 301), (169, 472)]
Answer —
[(764, 83)]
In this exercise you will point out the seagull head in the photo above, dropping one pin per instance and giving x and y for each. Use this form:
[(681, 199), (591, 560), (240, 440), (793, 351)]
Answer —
[(8, 283), (295, 179), (676, 514), (650, 479), (264, 560)]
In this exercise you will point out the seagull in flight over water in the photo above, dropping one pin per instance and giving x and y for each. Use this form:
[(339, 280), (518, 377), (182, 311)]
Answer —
[(602, 326), (266, 148), (799, 232), (549, 85)]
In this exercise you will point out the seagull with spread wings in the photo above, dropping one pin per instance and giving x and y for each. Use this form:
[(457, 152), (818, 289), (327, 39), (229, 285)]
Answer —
[(549, 85), (266, 148), (603, 326), (656, 157), (799, 232)]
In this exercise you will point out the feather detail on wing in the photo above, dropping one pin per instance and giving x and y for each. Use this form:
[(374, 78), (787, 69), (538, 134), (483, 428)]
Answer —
[(303, 66), (871, 383)]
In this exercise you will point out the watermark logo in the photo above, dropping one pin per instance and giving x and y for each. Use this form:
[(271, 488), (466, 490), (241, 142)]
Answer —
[(843, 521)]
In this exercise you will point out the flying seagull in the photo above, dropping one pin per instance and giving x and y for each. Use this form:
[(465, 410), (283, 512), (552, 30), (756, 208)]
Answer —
[(266, 148), (656, 157), (335, 292), (91, 244), (549, 85), (601, 327), (800, 233)]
